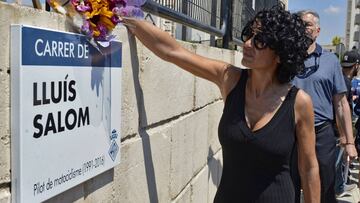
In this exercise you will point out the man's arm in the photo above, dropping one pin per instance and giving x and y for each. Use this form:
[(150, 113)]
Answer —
[(343, 120)]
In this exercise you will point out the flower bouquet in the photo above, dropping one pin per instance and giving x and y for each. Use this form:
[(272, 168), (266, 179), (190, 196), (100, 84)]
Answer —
[(97, 18)]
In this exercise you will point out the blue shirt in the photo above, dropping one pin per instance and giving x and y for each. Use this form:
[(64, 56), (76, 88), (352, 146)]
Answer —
[(322, 78)]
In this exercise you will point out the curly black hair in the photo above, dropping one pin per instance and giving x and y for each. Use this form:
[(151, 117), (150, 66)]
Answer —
[(285, 33)]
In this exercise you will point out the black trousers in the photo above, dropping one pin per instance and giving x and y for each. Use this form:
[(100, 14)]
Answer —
[(325, 152)]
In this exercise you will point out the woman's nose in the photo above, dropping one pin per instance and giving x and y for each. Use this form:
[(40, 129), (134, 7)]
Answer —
[(248, 43)]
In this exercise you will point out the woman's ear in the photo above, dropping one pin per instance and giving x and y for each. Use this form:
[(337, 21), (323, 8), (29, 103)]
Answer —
[(278, 59)]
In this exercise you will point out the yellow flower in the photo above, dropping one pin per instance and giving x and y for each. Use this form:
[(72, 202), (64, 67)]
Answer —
[(96, 32), (93, 25), (54, 4), (107, 22), (105, 12), (98, 7)]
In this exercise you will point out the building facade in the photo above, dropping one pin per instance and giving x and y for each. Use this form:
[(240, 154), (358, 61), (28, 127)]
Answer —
[(352, 34)]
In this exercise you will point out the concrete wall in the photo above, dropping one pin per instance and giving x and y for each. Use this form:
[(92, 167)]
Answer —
[(170, 150)]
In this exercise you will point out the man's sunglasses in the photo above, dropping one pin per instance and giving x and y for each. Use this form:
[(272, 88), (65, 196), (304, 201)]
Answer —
[(258, 39)]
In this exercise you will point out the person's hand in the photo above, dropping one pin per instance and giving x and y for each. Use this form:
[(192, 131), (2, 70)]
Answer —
[(354, 98), (351, 151), (127, 22)]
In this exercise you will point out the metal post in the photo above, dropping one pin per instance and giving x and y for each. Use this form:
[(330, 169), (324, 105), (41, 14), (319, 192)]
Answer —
[(213, 20), (226, 14), (184, 28), (47, 6), (37, 4)]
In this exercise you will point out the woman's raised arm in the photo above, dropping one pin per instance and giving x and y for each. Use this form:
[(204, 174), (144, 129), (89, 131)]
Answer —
[(167, 48)]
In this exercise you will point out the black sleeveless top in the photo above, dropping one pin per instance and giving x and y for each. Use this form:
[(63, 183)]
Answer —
[(256, 164)]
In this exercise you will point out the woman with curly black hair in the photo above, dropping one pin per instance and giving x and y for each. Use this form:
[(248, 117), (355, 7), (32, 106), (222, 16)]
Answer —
[(264, 115)]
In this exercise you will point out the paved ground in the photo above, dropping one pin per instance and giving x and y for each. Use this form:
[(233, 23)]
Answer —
[(354, 195)]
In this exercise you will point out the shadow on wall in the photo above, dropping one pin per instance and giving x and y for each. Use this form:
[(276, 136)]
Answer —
[(149, 165), (215, 169)]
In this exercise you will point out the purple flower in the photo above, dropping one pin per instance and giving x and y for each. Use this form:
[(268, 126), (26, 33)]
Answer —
[(83, 8), (119, 2), (75, 2), (85, 29), (131, 11), (137, 3), (115, 19), (124, 11), (137, 12), (103, 32), (116, 11), (101, 28)]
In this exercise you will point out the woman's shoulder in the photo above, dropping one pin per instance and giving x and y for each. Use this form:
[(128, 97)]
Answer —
[(231, 79), (302, 98), (303, 105)]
